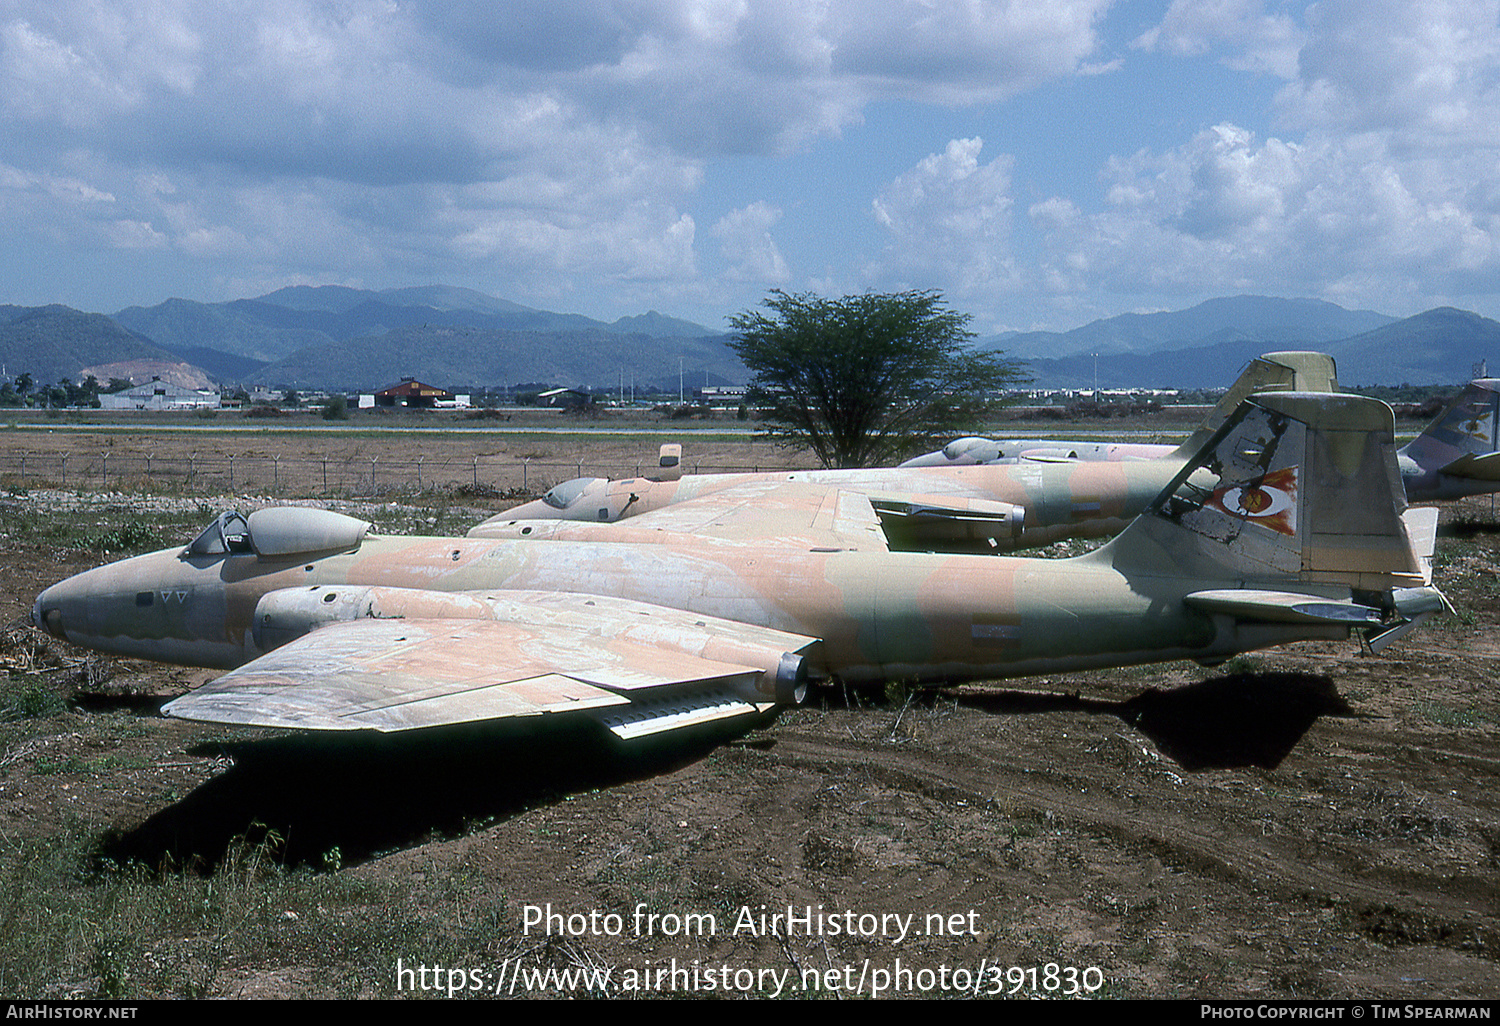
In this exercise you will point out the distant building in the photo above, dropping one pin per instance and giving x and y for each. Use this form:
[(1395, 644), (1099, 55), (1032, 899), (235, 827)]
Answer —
[(413, 394), (157, 394), (564, 398), (721, 393)]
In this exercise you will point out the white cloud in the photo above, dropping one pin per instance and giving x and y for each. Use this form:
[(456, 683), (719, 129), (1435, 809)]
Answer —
[(1259, 41), (745, 242), (949, 222), (1339, 217), (534, 143), (959, 51), (1424, 71), (1379, 186)]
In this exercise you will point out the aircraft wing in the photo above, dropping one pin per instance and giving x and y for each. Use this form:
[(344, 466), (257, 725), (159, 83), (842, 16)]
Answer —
[(637, 668), (795, 514)]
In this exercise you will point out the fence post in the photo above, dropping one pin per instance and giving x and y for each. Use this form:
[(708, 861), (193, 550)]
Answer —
[(65, 470), (524, 464), (23, 470), (231, 472), (148, 466), (419, 473), (476, 473), (192, 461), (104, 471), (325, 475), (275, 473), (372, 475)]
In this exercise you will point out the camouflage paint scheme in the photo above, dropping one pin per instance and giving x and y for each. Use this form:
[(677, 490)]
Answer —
[(1289, 525), (1456, 455), (962, 506), (959, 509), (1291, 371)]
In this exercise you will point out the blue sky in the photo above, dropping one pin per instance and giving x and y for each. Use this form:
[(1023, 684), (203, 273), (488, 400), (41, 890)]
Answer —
[(1041, 162)]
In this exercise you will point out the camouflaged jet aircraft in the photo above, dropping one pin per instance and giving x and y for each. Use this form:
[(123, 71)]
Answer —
[(1288, 371), (1288, 525), (1458, 454), (976, 508)]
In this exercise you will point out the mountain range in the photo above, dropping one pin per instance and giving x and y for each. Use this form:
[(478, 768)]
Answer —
[(332, 337), (1204, 347)]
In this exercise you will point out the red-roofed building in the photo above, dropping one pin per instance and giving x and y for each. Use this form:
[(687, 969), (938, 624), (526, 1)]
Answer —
[(412, 392)]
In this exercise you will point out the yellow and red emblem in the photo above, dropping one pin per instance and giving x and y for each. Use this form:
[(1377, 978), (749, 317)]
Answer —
[(1272, 502)]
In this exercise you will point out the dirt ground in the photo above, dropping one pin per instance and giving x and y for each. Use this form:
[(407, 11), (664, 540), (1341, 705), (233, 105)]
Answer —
[(1310, 822)]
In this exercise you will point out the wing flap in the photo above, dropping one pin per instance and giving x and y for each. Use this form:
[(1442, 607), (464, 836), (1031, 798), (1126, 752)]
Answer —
[(643, 719)]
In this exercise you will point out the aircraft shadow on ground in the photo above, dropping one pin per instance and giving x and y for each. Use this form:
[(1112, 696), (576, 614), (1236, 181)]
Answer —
[(1245, 719), (364, 794), (1468, 528)]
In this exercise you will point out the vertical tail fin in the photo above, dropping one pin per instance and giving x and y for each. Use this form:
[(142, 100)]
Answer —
[(1295, 488), (1272, 372), (1457, 453)]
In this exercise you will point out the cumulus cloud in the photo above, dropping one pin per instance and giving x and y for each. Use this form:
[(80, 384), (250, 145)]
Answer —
[(527, 138), (1344, 218), (1423, 71), (1257, 40), (958, 52), (1388, 191), (745, 242), (949, 221)]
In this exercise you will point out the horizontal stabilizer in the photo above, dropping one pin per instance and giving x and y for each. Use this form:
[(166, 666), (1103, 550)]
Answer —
[(1484, 467), (1282, 607)]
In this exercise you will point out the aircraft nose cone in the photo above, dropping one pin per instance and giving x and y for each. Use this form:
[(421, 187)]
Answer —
[(47, 616)]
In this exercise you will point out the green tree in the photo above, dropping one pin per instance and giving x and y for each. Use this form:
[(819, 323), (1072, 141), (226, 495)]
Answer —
[(336, 408), (865, 380)]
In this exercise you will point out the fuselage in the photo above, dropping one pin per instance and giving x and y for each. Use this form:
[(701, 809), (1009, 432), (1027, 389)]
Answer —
[(1061, 500), (880, 616)]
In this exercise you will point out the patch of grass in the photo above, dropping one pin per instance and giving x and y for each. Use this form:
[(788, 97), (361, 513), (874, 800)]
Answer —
[(73, 926), (131, 536), (29, 696), (115, 530), (94, 767), (1446, 715), (1242, 665)]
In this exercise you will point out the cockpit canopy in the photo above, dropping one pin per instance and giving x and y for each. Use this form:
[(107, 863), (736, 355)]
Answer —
[(980, 450), (566, 494), (279, 531)]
